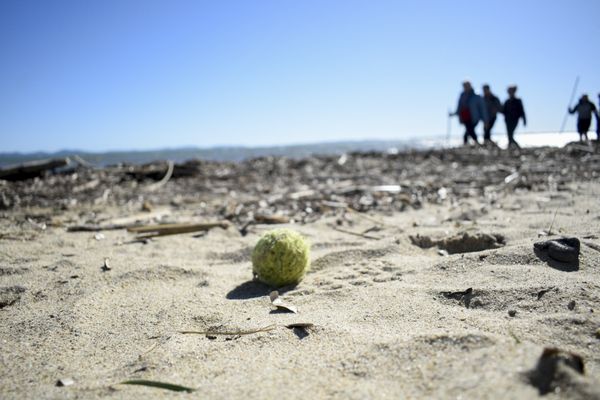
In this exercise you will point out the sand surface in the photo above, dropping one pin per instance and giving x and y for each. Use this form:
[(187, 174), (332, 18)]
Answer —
[(389, 317)]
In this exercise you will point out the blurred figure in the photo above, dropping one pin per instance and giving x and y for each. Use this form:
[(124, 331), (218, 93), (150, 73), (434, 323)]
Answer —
[(584, 109), (493, 107), (598, 120), (470, 111), (513, 111)]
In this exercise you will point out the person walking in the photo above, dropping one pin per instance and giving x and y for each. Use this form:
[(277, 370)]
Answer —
[(513, 111), (584, 109), (470, 111), (598, 121), (493, 107)]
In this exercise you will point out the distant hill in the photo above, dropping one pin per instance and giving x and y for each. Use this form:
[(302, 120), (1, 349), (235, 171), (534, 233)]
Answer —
[(224, 153), (239, 153)]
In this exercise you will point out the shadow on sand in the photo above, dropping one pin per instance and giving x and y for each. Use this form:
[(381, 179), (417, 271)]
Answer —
[(253, 289)]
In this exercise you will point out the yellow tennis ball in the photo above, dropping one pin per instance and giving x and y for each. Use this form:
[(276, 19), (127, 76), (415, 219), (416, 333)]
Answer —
[(281, 257)]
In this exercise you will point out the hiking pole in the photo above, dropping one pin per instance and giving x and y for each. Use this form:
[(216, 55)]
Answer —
[(448, 128), (562, 127)]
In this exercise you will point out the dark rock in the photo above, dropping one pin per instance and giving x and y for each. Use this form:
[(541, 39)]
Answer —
[(564, 250)]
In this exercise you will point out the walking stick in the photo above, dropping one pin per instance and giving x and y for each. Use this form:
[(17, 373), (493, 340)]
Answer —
[(448, 128), (562, 127)]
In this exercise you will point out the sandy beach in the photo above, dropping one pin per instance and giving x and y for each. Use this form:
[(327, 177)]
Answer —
[(424, 282)]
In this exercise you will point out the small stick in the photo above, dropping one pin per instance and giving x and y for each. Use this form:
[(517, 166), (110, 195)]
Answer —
[(230, 333), (364, 235), (375, 220), (150, 231), (562, 127), (96, 228), (552, 223), (165, 179)]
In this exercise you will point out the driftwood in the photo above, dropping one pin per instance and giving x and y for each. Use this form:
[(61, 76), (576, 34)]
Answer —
[(96, 227), (150, 231), (31, 169), (131, 221), (271, 219), (370, 184), (164, 180)]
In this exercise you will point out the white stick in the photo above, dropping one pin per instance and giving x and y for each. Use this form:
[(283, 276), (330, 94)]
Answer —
[(562, 127)]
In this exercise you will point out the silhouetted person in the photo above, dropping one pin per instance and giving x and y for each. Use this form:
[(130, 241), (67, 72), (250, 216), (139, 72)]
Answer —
[(470, 111), (598, 120), (493, 107), (584, 109), (513, 111)]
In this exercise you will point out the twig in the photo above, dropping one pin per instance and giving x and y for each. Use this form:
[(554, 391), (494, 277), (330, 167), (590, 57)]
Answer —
[(271, 219), (96, 227), (165, 179), (552, 223), (355, 233), (230, 333), (367, 217), (150, 231)]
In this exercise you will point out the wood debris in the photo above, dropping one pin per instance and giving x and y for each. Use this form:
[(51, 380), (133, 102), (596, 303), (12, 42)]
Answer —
[(150, 231)]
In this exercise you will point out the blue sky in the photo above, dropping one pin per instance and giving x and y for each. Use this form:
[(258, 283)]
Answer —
[(124, 74)]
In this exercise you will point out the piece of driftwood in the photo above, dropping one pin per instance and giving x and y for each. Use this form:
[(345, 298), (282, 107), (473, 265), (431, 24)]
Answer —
[(82, 162), (31, 169), (164, 180), (271, 219), (215, 332), (149, 231), (96, 227), (130, 221)]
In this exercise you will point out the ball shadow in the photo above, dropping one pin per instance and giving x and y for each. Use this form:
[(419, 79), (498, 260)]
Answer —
[(249, 290), (252, 289)]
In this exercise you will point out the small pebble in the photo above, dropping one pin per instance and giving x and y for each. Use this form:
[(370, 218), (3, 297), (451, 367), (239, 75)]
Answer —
[(512, 313), (571, 305)]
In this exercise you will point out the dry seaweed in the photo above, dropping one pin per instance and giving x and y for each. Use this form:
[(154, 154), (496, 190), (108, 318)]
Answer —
[(308, 189)]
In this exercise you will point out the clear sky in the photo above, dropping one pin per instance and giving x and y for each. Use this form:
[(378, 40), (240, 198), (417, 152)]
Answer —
[(125, 74)]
